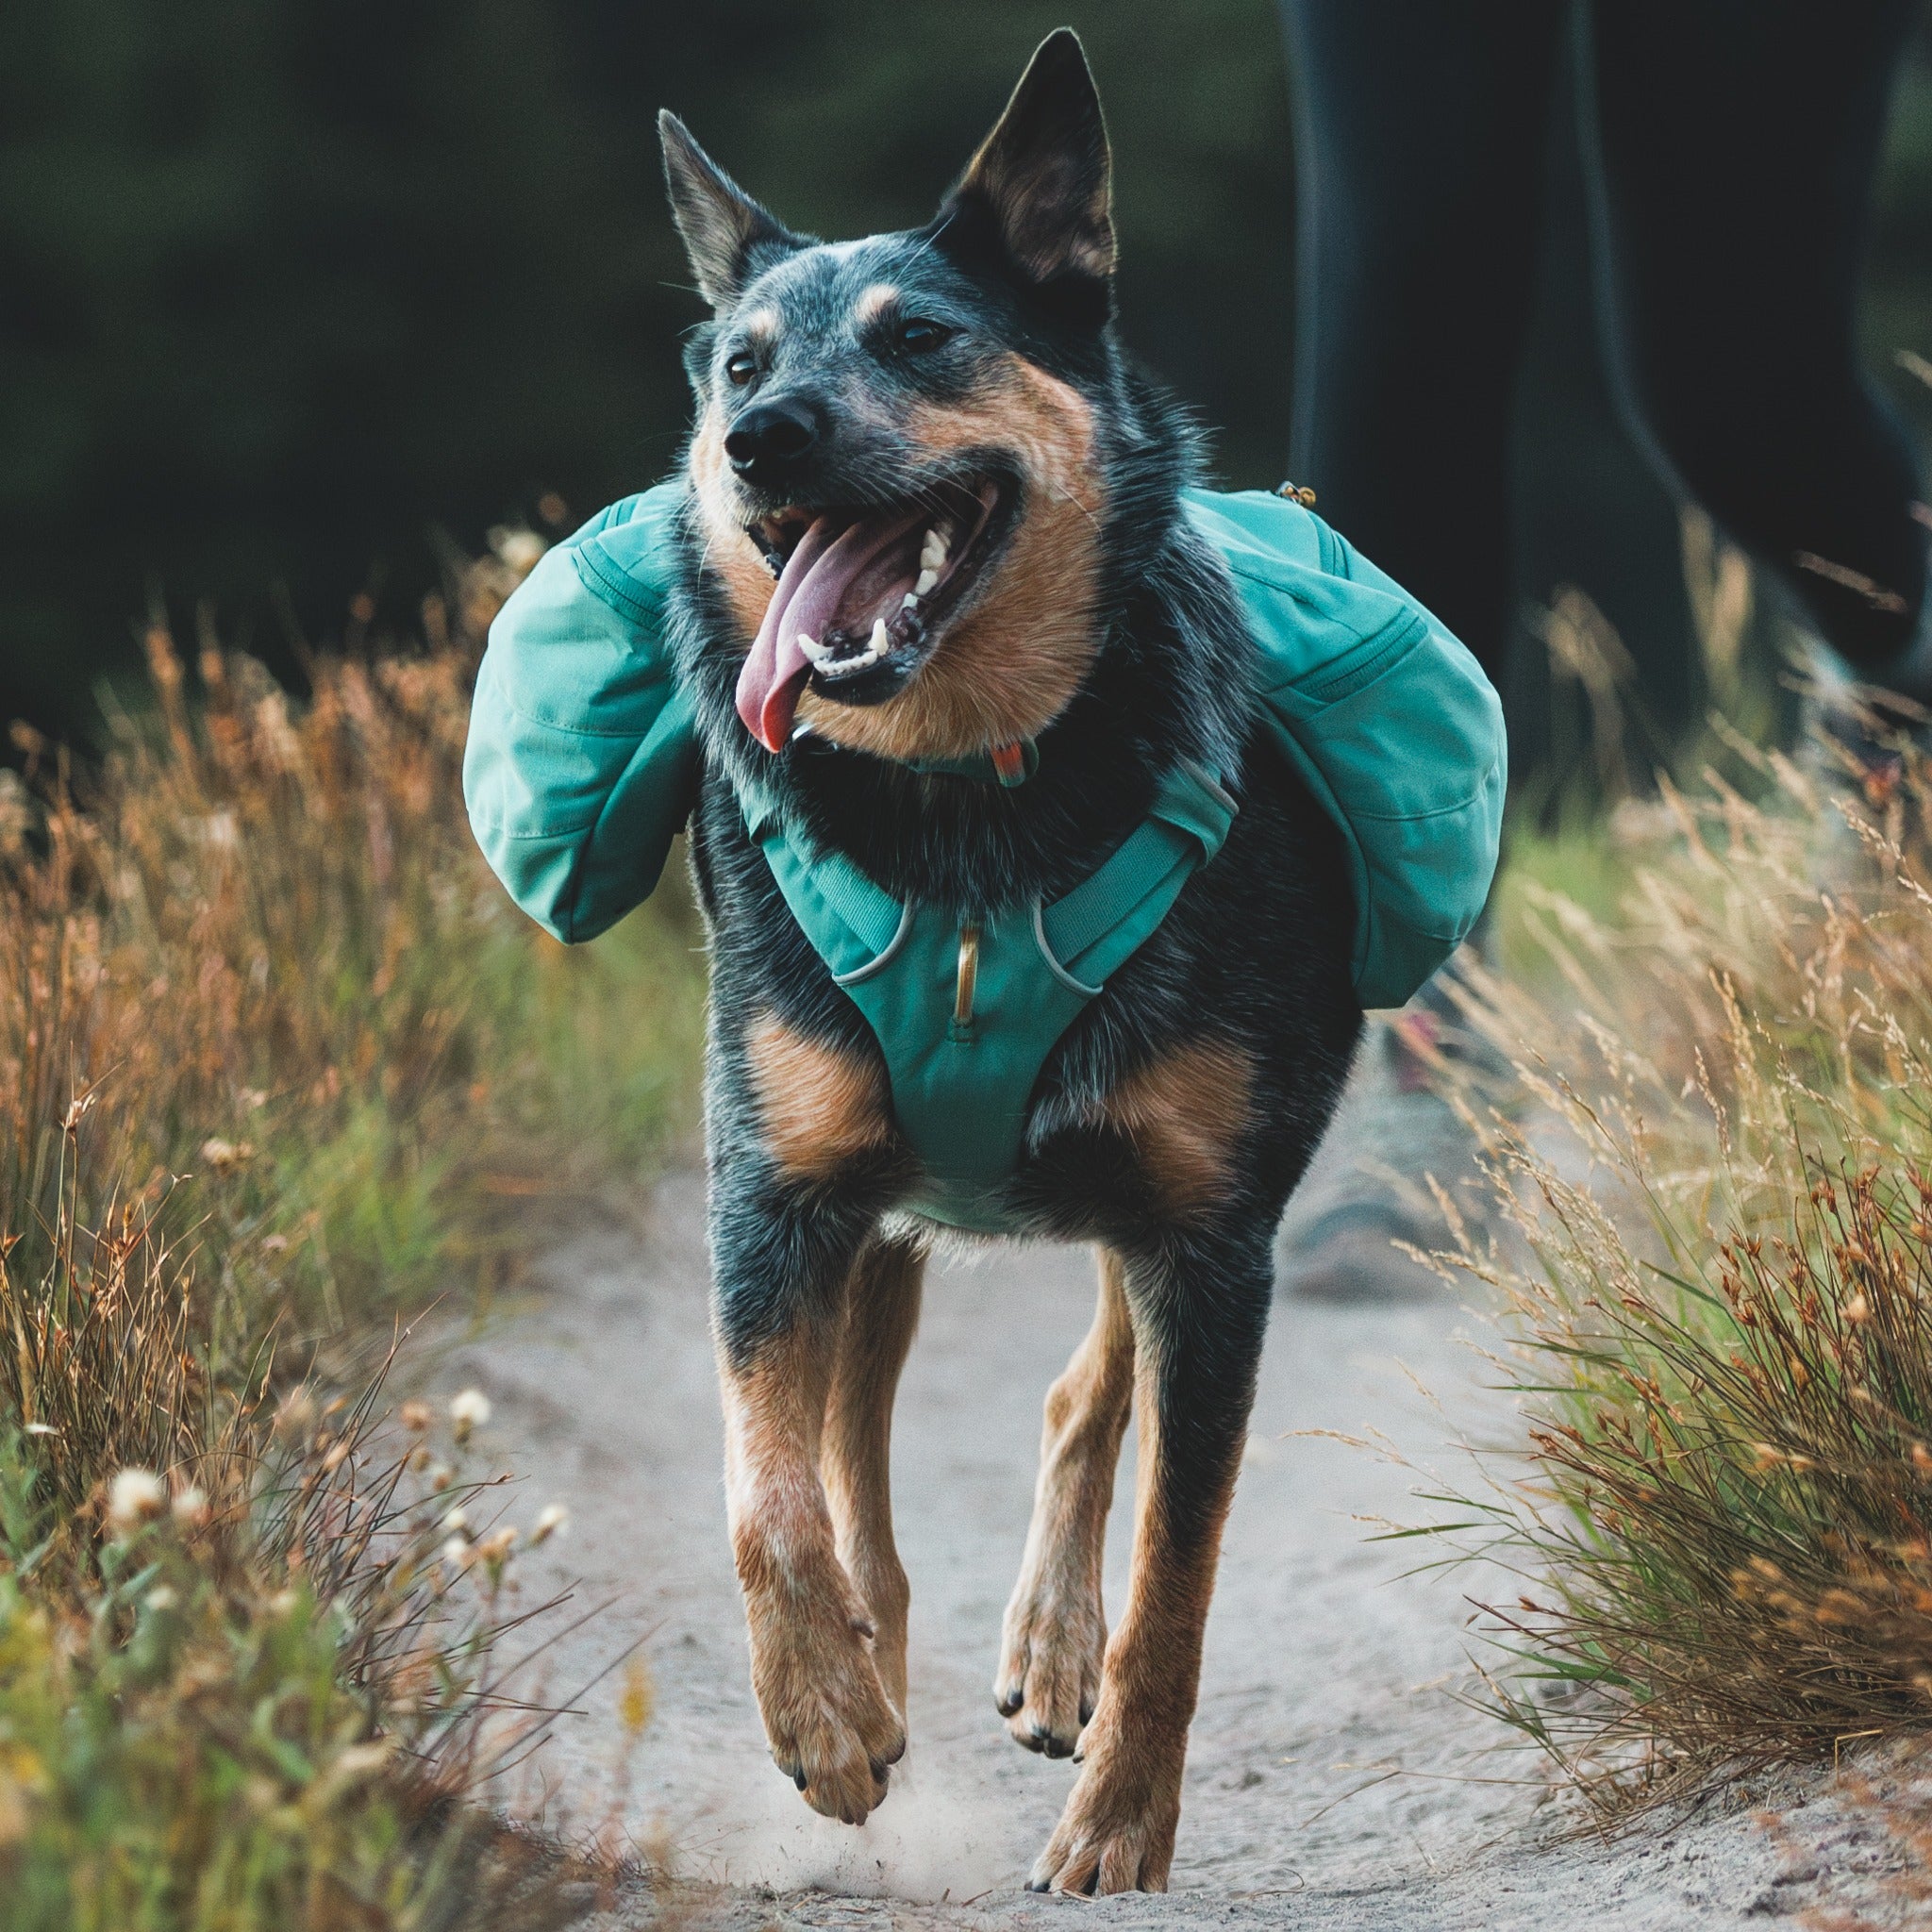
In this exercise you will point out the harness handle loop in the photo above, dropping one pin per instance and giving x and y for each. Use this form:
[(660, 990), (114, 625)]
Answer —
[(966, 984)]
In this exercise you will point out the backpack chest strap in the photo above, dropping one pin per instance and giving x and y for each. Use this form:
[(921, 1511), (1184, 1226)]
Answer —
[(963, 1060)]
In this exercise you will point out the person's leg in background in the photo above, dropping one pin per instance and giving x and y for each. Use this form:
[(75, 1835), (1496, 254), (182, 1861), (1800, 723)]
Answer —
[(1420, 156), (1736, 143)]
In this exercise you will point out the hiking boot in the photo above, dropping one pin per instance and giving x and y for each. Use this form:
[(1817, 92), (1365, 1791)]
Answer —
[(1366, 1195)]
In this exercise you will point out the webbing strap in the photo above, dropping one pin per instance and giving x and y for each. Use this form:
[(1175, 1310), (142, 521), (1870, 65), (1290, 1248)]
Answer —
[(869, 915), (870, 910), (982, 766), (1094, 929)]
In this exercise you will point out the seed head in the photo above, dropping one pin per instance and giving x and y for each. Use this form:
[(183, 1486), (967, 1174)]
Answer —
[(134, 1497), (469, 1410)]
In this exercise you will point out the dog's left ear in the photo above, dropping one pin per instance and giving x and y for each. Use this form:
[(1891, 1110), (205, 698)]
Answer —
[(1041, 186), (726, 234)]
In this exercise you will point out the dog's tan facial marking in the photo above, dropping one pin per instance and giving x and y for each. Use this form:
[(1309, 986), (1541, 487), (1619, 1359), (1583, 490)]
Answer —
[(1184, 1113), (1008, 668), (760, 327), (730, 553), (873, 300), (1053, 1640), (820, 1107), (831, 1726), (881, 1313)]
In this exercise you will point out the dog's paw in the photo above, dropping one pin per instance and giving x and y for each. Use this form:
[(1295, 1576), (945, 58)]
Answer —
[(832, 1728), (1116, 1833), (1052, 1649)]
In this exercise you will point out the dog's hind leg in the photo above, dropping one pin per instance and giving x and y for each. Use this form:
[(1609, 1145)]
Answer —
[(1199, 1303), (783, 1259), (854, 1457), (1055, 1635)]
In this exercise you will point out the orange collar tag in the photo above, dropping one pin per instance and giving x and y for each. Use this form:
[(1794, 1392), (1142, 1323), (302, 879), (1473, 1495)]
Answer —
[(1010, 764)]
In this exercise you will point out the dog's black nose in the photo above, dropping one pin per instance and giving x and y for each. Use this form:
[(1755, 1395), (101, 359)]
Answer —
[(770, 440)]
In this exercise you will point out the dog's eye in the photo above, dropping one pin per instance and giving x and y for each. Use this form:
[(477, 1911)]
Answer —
[(917, 335), (742, 367)]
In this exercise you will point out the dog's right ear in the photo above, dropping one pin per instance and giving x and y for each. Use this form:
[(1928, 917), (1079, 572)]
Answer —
[(1038, 193), (726, 234)]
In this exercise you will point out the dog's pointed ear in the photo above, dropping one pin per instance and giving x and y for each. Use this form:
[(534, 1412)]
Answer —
[(726, 234), (1042, 182)]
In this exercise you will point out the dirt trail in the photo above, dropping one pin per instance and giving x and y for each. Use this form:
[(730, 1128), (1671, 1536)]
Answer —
[(1332, 1781)]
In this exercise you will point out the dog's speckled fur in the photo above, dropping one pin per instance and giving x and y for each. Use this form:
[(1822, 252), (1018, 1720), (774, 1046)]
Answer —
[(1170, 1122)]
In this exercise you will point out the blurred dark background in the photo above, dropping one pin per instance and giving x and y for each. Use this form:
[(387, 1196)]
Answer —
[(298, 298)]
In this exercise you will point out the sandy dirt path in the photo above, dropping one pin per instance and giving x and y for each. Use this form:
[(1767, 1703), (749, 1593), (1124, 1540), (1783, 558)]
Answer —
[(1332, 1781)]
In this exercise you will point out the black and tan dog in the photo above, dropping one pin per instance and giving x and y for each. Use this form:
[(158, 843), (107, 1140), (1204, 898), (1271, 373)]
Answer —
[(951, 406)]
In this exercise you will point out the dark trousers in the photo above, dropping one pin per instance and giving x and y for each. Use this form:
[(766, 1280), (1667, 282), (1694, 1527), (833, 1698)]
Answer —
[(1729, 147)]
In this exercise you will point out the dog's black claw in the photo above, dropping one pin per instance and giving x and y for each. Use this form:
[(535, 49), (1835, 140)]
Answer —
[(1086, 1710), (898, 1750), (1040, 1885), (799, 1778), (1044, 1740), (1010, 1701)]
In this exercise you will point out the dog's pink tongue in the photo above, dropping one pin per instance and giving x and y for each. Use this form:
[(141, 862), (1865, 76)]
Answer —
[(775, 667), (815, 579)]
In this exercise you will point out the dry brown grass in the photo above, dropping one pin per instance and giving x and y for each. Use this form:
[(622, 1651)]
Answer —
[(1717, 1279), (277, 1060)]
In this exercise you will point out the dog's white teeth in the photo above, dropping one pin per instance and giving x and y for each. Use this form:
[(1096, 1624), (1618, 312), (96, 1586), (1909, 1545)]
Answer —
[(813, 649), (927, 578), (909, 599), (877, 646), (932, 553)]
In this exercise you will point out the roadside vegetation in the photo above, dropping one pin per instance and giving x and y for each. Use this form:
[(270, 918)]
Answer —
[(279, 1067), (1714, 1153)]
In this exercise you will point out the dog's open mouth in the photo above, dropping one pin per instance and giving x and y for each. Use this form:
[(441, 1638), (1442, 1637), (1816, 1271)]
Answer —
[(862, 596)]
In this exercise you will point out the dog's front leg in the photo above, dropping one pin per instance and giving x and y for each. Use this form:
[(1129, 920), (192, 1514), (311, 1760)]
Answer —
[(881, 1313), (1053, 1640), (782, 1263), (1199, 1305)]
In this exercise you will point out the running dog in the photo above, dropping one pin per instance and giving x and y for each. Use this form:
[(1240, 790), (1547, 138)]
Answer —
[(941, 618)]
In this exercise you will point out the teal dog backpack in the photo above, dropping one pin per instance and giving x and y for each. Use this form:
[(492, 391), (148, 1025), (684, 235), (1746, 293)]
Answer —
[(582, 764)]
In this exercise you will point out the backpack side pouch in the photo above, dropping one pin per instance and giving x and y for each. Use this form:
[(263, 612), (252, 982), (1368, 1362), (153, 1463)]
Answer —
[(582, 761), (1388, 718)]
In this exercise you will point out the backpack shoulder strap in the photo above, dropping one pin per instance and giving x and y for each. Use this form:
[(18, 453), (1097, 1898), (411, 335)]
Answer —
[(1092, 932), (853, 924)]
